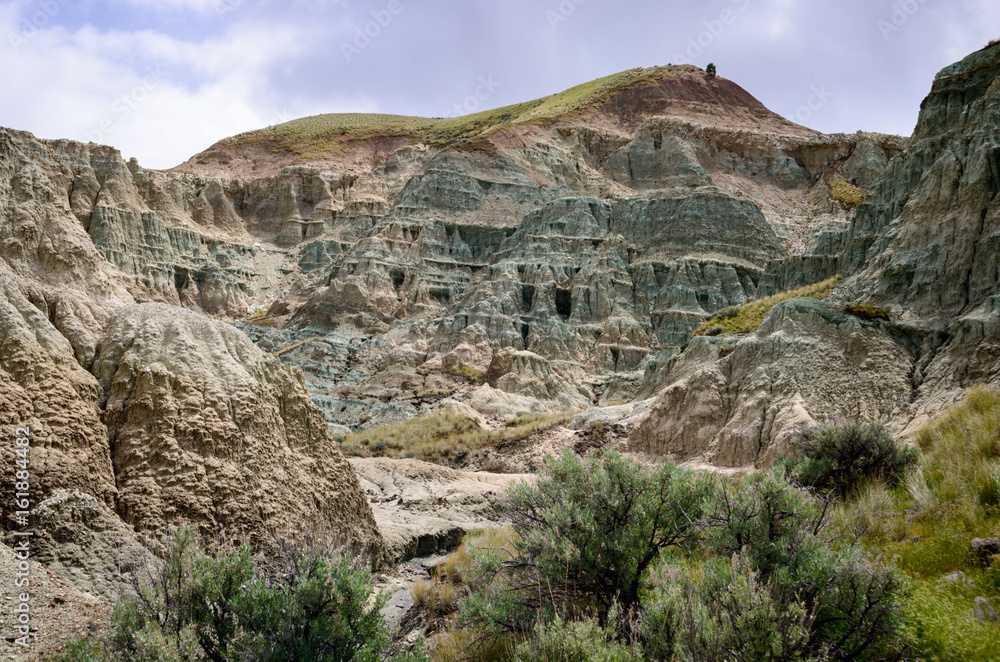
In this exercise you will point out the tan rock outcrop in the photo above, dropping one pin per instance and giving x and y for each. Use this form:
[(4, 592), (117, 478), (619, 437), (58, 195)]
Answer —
[(425, 509), (206, 427), (808, 363)]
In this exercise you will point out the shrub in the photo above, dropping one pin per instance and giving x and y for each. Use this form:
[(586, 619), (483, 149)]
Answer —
[(315, 606), (739, 571), (725, 612), (785, 579), (311, 602), (765, 518), (583, 641), (587, 532), (711, 70), (840, 459)]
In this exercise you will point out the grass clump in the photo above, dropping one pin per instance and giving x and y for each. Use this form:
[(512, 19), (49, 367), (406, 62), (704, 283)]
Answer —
[(748, 317), (468, 373), (260, 317), (962, 458), (866, 312), (939, 617), (444, 437), (847, 194)]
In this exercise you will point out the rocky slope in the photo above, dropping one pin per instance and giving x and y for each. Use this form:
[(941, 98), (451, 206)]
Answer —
[(923, 247), (594, 230), (143, 415)]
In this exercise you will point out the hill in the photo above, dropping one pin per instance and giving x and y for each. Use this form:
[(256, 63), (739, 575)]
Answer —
[(617, 103)]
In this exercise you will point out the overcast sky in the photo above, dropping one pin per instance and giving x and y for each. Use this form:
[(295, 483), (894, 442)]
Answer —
[(164, 79)]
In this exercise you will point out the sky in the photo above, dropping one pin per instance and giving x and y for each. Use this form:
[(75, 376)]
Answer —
[(162, 80)]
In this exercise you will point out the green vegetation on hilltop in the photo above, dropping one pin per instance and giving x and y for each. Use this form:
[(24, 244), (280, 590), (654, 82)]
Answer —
[(312, 136), (749, 316)]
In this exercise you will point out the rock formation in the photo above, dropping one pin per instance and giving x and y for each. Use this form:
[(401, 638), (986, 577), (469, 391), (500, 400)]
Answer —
[(206, 428), (923, 247), (185, 344), (136, 412), (596, 237)]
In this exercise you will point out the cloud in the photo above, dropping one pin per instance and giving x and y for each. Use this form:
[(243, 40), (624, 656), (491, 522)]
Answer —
[(150, 94), (199, 6), (167, 78)]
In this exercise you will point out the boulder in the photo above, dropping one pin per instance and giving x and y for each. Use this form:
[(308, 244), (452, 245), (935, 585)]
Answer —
[(982, 550)]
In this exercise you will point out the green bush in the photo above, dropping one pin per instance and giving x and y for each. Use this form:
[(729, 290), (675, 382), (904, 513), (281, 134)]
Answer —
[(711, 70), (840, 459), (587, 532), (583, 641), (677, 567), (310, 602), (766, 519), (724, 612), (785, 592)]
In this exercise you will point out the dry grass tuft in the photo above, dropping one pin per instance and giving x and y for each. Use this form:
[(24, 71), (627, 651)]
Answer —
[(872, 513), (420, 591), (847, 194), (866, 312), (748, 317), (444, 437), (962, 457)]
